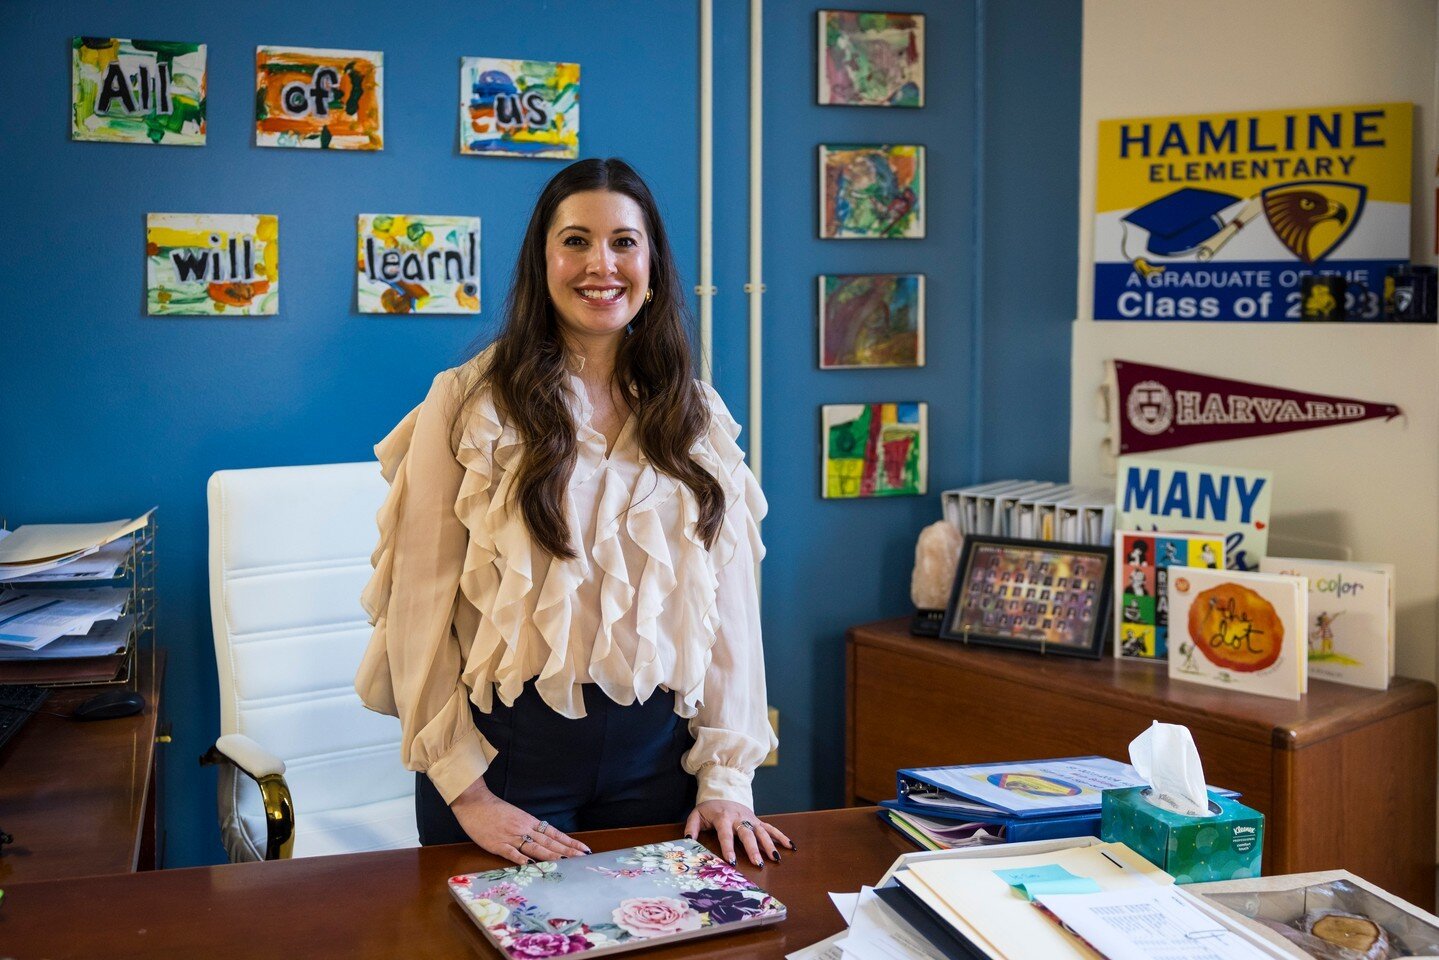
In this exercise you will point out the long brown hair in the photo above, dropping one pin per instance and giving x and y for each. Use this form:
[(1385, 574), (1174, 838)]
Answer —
[(527, 376)]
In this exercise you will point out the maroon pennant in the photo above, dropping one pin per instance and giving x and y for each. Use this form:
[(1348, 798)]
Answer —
[(1160, 407)]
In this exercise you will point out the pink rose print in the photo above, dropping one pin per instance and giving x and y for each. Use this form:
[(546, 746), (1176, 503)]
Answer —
[(655, 916), (528, 945)]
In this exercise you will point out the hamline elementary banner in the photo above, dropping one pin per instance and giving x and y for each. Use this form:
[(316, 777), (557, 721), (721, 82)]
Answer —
[(1219, 216)]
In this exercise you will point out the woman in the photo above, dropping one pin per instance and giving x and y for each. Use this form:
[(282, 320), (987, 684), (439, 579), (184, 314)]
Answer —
[(565, 573)]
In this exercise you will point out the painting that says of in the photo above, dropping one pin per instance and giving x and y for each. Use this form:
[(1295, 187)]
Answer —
[(323, 99)]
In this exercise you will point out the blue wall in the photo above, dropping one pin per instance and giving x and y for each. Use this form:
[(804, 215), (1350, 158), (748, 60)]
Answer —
[(1001, 130), (107, 411)]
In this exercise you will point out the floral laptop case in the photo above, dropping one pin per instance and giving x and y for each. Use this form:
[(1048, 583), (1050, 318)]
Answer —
[(611, 902)]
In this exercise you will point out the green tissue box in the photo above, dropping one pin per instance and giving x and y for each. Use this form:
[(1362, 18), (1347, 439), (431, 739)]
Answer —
[(1226, 846)]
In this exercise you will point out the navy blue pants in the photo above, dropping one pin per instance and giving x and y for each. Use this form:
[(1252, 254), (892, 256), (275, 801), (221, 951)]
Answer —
[(615, 767)]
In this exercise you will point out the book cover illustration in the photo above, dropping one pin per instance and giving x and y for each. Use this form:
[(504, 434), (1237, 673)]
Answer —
[(1350, 625), (1142, 562), (1240, 631), (1170, 496), (613, 901)]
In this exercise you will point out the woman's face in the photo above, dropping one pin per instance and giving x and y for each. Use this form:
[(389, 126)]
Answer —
[(597, 258)]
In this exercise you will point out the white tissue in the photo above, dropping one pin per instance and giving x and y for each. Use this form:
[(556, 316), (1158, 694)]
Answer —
[(1166, 757)]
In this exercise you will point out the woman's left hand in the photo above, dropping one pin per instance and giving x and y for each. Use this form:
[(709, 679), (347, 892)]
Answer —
[(728, 820)]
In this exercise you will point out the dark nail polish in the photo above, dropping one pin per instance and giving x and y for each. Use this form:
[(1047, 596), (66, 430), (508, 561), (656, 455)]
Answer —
[(563, 857), (529, 861), (774, 855), (732, 862), (792, 846)]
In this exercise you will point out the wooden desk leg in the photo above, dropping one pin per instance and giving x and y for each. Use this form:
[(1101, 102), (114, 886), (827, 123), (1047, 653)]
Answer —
[(849, 715)]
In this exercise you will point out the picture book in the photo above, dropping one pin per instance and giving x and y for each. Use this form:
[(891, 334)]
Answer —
[(1238, 630), (1351, 619), (1169, 496), (612, 902), (1142, 562)]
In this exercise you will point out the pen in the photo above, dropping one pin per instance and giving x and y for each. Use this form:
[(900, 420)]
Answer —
[(1111, 859)]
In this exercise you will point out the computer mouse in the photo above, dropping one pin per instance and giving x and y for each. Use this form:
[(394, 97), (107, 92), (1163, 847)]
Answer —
[(109, 705)]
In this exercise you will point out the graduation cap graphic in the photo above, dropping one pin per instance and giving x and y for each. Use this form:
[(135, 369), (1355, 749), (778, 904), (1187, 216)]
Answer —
[(1179, 222)]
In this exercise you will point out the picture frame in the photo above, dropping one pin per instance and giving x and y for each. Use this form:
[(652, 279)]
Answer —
[(1006, 593)]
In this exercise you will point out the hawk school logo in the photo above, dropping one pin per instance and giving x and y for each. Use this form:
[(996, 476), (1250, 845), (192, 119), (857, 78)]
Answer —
[(1310, 217)]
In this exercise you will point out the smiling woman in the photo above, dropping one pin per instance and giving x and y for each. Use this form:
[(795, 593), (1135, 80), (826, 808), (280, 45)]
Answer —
[(566, 620)]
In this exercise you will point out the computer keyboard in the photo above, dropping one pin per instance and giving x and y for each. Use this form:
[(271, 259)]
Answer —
[(18, 703)]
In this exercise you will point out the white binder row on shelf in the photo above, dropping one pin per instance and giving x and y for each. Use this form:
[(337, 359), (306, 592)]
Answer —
[(1032, 510)]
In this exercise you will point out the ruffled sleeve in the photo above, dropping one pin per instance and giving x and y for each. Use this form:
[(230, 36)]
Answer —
[(731, 724), (412, 667)]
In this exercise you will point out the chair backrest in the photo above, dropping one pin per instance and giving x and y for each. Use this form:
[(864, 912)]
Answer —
[(289, 555)]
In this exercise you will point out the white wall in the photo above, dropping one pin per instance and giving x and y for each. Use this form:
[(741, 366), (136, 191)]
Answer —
[(1368, 490)]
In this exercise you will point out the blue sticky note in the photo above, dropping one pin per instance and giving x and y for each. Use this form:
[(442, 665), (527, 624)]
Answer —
[(1046, 879)]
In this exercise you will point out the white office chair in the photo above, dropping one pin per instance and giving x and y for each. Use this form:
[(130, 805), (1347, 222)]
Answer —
[(289, 555)]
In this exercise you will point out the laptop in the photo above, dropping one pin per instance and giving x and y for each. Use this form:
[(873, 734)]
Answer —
[(605, 903)]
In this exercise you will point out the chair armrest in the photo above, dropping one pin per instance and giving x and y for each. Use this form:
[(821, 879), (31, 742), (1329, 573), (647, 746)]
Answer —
[(249, 756), (267, 770)]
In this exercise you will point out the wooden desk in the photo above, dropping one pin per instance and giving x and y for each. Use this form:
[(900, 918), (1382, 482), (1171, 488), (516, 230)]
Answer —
[(80, 798), (395, 903), (1345, 777)]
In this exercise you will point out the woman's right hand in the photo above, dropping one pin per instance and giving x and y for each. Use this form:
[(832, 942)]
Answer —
[(501, 828)]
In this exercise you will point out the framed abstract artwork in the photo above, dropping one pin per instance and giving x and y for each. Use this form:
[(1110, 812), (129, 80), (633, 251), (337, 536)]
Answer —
[(873, 191), (871, 59), (874, 450), (871, 320)]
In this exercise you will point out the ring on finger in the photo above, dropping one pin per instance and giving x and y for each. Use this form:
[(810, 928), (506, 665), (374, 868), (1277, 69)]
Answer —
[(747, 825), (541, 827)]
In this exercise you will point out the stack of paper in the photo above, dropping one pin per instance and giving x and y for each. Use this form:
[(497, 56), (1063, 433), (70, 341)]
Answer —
[(1087, 901), (39, 548), (31, 619)]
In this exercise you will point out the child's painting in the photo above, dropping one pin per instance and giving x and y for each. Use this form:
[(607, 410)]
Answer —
[(323, 99), (868, 192), (874, 449), (410, 263), (871, 59), (137, 91), (212, 264), (519, 108), (871, 320)]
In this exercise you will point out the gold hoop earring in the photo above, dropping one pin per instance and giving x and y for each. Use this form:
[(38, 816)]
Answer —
[(649, 295)]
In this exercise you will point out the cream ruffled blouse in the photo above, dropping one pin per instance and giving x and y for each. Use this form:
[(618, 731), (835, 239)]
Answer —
[(465, 605)]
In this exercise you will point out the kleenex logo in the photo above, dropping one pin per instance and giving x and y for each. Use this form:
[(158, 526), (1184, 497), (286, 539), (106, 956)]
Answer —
[(1243, 830)]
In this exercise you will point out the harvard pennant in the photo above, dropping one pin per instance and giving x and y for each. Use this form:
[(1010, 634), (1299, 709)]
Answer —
[(1160, 407)]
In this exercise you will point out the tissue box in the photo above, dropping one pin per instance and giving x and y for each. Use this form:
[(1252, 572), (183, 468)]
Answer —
[(1226, 846)]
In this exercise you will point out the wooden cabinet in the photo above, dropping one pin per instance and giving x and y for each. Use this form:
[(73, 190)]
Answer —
[(1345, 777)]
